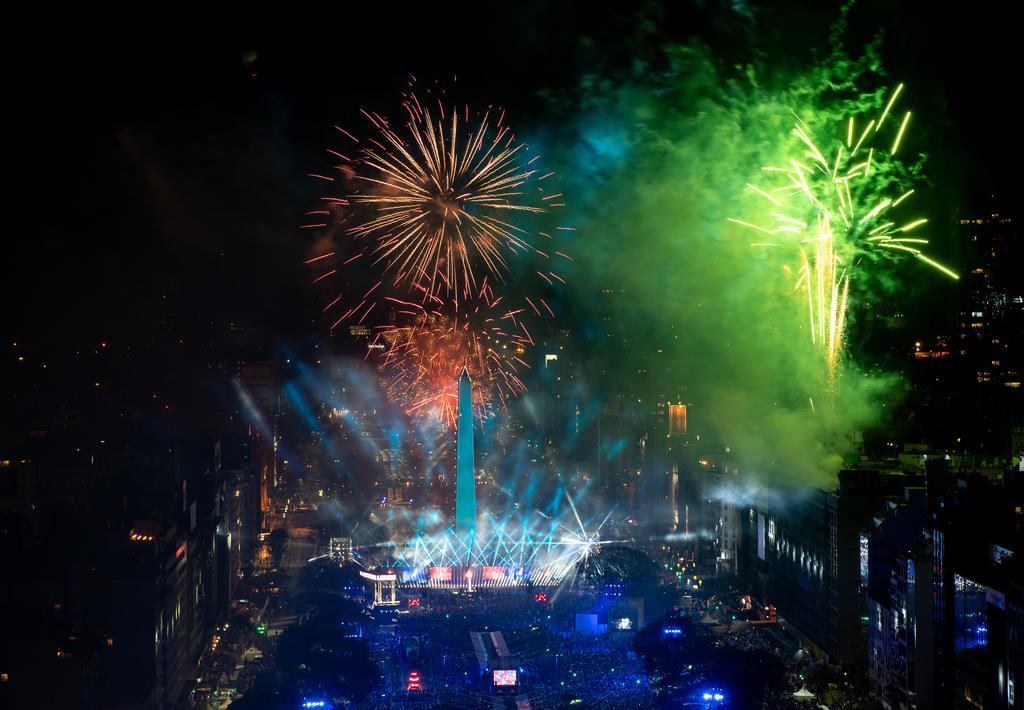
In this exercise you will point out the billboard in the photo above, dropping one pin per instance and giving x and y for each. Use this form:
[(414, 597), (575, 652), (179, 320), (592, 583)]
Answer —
[(505, 678)]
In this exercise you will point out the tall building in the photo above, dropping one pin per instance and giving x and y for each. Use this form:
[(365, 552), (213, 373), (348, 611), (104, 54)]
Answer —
[(977, 533), (257, 385), (676, 419), (801, 553), (465, 478), (896, 573), (146, 587), (708, 514), (728, 531), (990, 342)]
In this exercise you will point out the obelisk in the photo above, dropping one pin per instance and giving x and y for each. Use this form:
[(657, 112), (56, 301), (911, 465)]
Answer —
[(465, 476)]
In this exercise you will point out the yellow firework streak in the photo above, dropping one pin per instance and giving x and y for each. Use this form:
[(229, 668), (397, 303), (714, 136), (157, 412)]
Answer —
[(441, 197), (827, 206)]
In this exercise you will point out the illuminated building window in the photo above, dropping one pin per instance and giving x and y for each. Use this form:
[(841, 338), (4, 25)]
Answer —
[(676, 419), (970, 614)]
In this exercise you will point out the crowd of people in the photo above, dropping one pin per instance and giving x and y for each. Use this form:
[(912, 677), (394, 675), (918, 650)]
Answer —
[(598, 671), (559, 664)]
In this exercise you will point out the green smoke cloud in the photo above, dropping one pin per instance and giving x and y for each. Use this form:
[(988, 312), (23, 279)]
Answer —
[(656, 160)]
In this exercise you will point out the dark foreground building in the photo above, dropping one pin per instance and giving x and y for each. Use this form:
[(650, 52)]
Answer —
[(915, 581), (801, 552)]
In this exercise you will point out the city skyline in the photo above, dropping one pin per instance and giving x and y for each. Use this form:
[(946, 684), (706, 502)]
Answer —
[(536, 356)]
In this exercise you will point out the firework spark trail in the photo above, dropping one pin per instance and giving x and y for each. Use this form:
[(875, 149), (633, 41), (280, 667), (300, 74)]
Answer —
[(440, 197), (423, 356), (440, 205), (832, 211)]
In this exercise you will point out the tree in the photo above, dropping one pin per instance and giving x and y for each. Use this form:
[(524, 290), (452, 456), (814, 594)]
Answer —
[(619, 564), (317, 657), (267, 693)]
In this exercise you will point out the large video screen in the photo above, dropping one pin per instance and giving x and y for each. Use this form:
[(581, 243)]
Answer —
[(505, 678), (414, 575), (440, 574)]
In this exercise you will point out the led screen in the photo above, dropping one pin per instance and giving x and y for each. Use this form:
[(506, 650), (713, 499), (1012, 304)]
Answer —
[(505, 678), (440, 574), (414, 575)]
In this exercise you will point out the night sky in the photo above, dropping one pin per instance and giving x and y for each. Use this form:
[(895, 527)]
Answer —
[(155, 171)]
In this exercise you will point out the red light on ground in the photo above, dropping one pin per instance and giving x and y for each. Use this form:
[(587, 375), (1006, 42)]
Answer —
[(540, 597), (415, 601)]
